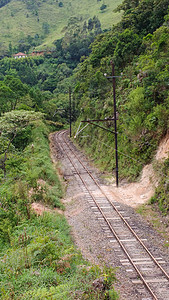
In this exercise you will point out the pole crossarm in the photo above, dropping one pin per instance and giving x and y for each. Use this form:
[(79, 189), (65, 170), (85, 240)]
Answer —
[(101, 120)]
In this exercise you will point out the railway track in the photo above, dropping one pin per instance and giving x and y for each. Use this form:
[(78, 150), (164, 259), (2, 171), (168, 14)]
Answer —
[(150, 273)]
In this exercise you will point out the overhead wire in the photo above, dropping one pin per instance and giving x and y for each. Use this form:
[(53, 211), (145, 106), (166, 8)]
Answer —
[(124, 154)]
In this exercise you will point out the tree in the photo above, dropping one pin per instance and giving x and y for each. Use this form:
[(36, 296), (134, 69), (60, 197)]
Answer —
[(11, 124), (4, 2), (17, 87), (103, 7), (127, 4), (143, 16), (6, 98), (127, 46), (84, 27), (90, 24), (10, 49), (45, 27)]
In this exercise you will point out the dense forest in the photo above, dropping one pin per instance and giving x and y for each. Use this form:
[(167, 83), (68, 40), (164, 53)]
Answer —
[(35, 101)]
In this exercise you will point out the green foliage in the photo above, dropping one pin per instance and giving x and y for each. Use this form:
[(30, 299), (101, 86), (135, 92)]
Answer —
[(42, 262), (23, 168), (141, 96), (6, 98), (60, 4), (37, 255), (120, 46), (77, 39), (13, 124), (11, 91), (15, 206), (14, 121), (103, 7), (4, 2), (161, 196), (143, 16), (139, 47), (36, 244), (127, 46), (46, 28), (127, 5)]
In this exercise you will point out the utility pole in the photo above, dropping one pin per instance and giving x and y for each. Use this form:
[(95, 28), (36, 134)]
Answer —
[(115, 121), (70, 112), (73, 106)]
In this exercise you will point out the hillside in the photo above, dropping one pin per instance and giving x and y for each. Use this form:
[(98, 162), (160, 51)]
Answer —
[(139, 49), (45, 20), (38, 259)]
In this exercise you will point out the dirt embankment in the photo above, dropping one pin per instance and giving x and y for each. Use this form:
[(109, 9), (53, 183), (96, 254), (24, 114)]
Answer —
[(137, 193)]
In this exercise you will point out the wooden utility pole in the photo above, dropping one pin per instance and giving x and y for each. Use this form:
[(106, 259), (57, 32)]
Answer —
[(70, 111), (115, 121)]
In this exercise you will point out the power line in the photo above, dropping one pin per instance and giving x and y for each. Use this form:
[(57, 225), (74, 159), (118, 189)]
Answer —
[(124, 154)]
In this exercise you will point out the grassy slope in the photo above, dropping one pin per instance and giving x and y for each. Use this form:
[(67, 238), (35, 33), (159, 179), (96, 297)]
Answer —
[(15, 27), (37, 257)]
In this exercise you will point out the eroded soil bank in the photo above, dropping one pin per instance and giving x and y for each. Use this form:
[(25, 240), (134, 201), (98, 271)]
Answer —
[(140, 192)]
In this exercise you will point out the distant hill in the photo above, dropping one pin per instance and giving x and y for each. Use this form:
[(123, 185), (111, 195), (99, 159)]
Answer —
[(44, 20)]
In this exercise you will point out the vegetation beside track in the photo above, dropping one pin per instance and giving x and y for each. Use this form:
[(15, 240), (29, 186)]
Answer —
[(140, 54), (158, 220), (38, 259), (32, 87)]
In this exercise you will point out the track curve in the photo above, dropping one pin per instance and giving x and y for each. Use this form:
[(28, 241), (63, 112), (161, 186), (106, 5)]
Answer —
[(148, 269)]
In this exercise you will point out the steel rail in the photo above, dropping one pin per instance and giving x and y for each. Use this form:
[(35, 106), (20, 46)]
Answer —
[(124, 220), (110, 226)]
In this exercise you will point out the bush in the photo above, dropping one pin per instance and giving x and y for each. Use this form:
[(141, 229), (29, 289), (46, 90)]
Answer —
[(103, 6), (161, 196), (20, 188)]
